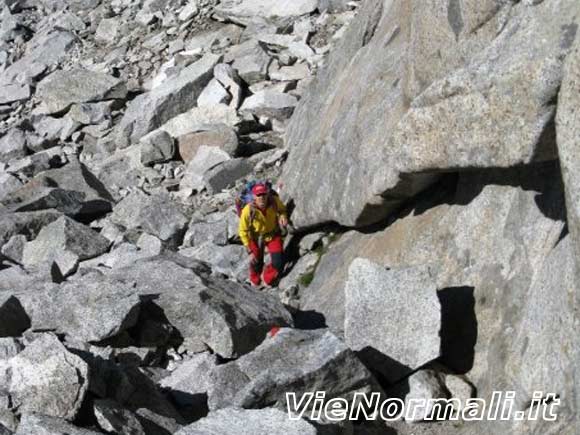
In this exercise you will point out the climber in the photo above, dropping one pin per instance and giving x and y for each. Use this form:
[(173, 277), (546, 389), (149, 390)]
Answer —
[(262, 223)]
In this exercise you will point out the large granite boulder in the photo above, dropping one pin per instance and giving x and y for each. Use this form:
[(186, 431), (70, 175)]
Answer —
[(208, 312), (46, 378), (447, 92), (189, 383), (27, 223), (64, 240), (290, 361), (166, 101), (46, 51), (62, 89), (90, 310), (154, 214), (75, 176)]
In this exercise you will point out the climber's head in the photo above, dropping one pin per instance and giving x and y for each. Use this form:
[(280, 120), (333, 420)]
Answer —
[(260, 192)]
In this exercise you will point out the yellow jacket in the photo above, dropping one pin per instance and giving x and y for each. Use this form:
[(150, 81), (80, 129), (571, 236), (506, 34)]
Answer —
[(264, 224)]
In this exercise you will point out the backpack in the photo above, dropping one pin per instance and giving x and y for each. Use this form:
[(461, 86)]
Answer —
[(245, 196)]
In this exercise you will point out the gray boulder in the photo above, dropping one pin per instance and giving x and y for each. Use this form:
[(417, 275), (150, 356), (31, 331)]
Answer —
[(189, 383), (156, 147), (377, 299), (46, 50), (90, 113), (50, 132), (14, 248), (37, 424), (155, 214), (61, 237), (108, 30), (27, 223), (129, 388), (86, 309), (220, 135), (32, 165), (38, 195), (292, 360), (8, 184), (247, 12), (298, 71), (270, 104), (208, 312), (46, 378), (223, 37), (214, 93), (10, 347), (121, 255), (424, 385), (230, 80), (202, 232), (225, 174), (120, 171), (13, 145), (218, 228), (61, 89), (231, 260), (201, 119), (456, 111), (248, 421), (459, 387), (250, 61), (72, 189), (166, 101), (189, 11), (310, 242), (205, 158), (12, 93)]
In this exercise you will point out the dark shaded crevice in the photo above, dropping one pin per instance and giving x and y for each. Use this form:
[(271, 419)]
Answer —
[(459, 328), (387, 370), (13, 318), (309, 320), (373, 23)]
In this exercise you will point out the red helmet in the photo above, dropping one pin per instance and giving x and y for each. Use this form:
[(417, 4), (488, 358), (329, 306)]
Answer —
[(259, 189)]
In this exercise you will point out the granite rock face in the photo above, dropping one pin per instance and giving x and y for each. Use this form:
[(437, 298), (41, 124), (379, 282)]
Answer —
[(377, 299), (427, 154), (493, 237), (441, 97)]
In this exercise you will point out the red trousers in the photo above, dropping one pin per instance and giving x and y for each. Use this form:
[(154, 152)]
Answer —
[(273, 270)]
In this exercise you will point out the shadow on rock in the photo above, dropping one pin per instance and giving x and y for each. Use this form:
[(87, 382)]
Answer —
[(309, 320), (458, 328)]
